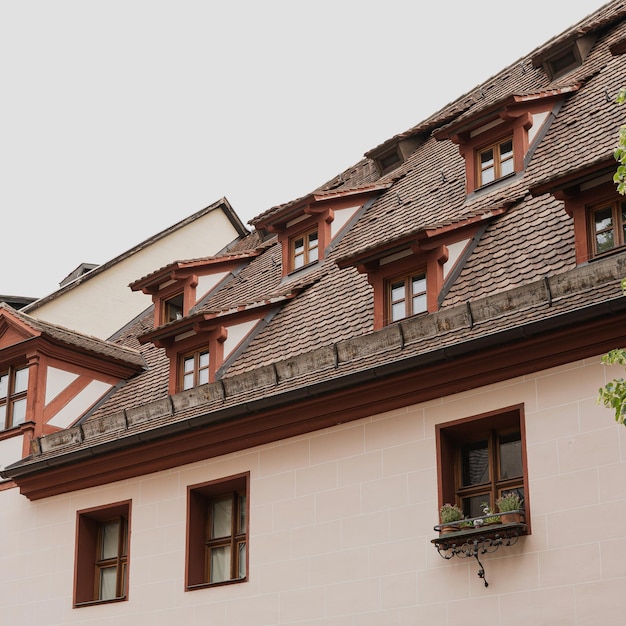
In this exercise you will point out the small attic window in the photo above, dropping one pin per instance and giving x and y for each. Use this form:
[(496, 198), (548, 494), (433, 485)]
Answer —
[(389, 161), (565, 57), (173, 309)]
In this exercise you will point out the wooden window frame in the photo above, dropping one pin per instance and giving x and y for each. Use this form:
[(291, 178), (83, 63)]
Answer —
[(198, 540), (498, 161), (12, 396), (451, 437), (305, 236), (88, 560), (172, 306), (198, 368), (618, 208), (408, 280)]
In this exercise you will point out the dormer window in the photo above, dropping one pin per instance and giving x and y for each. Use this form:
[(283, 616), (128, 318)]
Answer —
[(195, 369), (13, 388), (564, 56), (406, 296), (304, 249), (607, 226), (495, 161)]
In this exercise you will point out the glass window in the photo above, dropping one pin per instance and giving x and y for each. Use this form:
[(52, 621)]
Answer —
[(480, 459), (173, 309), (102, 555), (608, 227), (217, 536), (495, 161), (406, 296), (13, 390), (195, 369), (304, 249)]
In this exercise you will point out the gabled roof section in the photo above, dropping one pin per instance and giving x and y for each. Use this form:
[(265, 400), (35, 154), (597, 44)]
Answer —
[(26, 327), (221, 204), (505, 108), (275, 218), (177, 269)]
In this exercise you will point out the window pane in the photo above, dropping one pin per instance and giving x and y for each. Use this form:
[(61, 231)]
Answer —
[(475, 460), (241, 572), (220, 564), (242, 515), (487, 176), (21, 380), (506, 150), (519, 491), (221, 515), (397, 291), (19, 412), (506, 167), (3, 414), (108, 577), (486, 158), (313, 254), (204, 359), (398, 311), (203, 377), (188, 364), (110, 538), (4, 385), (188, 381), (510, 456), (474, 505), (603, 219), (419, 284), (419, 303)]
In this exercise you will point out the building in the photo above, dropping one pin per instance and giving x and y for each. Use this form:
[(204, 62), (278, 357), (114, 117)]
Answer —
[(263, 428)]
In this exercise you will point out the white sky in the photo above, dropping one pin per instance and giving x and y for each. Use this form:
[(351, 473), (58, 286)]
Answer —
[(120, 118)]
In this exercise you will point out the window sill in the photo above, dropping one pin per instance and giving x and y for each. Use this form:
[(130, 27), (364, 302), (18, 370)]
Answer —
[(79, 605), (493, 533), (220, 584)]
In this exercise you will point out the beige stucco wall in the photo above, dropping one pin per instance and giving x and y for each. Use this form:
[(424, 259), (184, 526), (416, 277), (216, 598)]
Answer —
[(341, 522), (102, 304)]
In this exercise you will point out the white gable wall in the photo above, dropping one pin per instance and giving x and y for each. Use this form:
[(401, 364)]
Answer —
[(104, 303)]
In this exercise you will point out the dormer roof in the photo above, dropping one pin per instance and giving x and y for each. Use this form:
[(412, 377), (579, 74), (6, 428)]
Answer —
[(18, 328), (277, 217)]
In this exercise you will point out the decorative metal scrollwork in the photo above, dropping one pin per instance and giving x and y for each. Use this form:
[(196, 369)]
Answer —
[(477, 540)]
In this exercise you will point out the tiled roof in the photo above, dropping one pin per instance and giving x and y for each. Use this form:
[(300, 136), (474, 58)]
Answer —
[(527, 240), (77, 340)]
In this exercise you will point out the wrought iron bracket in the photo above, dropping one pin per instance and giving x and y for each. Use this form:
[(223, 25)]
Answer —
[(476, 541)]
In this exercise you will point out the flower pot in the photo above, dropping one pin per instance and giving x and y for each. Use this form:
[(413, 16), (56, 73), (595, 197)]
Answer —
[(511, 518), (448, 529)]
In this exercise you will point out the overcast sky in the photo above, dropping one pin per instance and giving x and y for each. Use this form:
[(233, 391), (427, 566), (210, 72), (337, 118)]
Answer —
[(121, 118)]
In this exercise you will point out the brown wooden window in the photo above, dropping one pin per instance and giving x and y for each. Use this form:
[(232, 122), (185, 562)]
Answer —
[(406, 296), (13, 389), (304, 249), (194, 369), (173, 309), (217, 535), (101, 572), (480, 459), (607, 226), (495, 161)]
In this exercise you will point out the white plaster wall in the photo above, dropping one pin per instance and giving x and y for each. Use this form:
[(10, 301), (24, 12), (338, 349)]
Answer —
[(77, 406), (236, 334), (342, 217), (341, 522), (104, 303), (10, 452), (56, 381)]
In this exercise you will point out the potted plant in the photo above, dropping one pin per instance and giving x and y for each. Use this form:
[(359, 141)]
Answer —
[(450, 513), (510, 507)]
